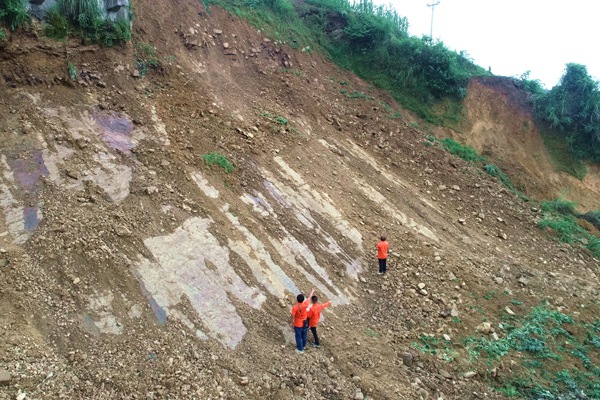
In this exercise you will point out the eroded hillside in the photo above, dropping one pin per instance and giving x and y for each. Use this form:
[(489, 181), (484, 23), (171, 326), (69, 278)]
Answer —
[(131, 268)]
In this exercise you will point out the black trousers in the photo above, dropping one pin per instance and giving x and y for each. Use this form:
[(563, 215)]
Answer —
[(314, 332), (382, 265)]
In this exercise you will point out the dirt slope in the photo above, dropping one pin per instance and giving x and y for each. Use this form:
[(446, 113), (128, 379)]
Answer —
[(132, 269), (499, 124)]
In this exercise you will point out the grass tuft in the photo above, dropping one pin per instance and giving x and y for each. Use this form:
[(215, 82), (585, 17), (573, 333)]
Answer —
[(217, 159), (465, 152)]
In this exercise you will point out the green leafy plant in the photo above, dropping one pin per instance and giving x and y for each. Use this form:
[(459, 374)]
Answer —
[(573, 108), (72, 71), (2, 35), (87, 19), (559, 206), (217, 159), (465, 152), (13, 13), (57, 25), (278, 119), (146, 58)]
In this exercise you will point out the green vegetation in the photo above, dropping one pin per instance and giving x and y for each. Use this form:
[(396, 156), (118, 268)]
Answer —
[(278, 119), (542, 342), (573, 109), (146, 58), (465, 152), (373, 42), (57, 25), (215, 158), (359, 95), (560, 217), (2, 35), (561, 153), (72, 71), (13, 14), (86, 19)]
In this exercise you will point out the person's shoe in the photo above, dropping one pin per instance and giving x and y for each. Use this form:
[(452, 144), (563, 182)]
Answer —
[(379, 273), (299, 351), (316, 346)]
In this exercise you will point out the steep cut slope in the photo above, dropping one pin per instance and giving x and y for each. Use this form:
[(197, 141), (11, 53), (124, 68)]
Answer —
[(131, 268), (499, 124)]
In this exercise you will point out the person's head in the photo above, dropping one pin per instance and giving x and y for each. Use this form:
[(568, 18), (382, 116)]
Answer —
[(314, 299), (382, 238), (300, 298)]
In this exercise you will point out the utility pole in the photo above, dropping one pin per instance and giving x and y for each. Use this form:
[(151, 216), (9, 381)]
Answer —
[(432, 5)]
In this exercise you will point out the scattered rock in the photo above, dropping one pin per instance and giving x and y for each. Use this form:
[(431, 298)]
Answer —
[(424, 394), (455, 188), (441, 188), (470, 374), (4, 377), (225, 45), (447, 337), (503, 235), (421, 285), (151, 190), (454, 312), (407, 359), (462, 221), (499, 280), (217, 31), (509, 311), (4, 262), (485, 328), (451, 276), (244, 381), (523, 281), (445, 373), (359, 395)]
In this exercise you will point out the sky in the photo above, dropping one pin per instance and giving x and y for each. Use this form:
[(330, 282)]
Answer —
[(513, 36)]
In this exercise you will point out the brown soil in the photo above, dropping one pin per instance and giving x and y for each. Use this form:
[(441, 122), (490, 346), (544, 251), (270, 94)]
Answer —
[(82, 294)]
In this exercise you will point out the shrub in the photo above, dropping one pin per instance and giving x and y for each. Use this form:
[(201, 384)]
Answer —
[(215, 158), (592, 217), (87, 17), (13, 13), (559, 206), (57, 25), (465, 152), (2, 35), (573, 107)]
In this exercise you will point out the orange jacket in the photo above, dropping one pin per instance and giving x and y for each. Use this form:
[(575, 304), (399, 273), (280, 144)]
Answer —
[(314, 314), (299, 313), (382, 249)]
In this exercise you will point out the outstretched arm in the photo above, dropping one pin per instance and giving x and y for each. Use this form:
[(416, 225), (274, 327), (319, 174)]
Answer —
[(309, 299)]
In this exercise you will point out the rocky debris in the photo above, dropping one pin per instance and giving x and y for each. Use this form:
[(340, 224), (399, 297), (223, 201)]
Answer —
[(509, 311), (151, 190), (469, 374), (359, 395), (523, 281), (445, 373), (485, 328), (4, 377), (407, 359), (498, 280)]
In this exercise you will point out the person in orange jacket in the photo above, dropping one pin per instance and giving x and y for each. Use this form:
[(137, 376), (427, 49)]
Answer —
[(299, 322), (314, 315), (382, 253)]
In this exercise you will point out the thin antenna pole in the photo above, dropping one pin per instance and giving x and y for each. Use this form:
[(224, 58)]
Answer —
[(432, 5)]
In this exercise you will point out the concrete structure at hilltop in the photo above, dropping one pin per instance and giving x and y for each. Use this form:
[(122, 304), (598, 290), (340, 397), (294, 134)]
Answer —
[(115, 10)]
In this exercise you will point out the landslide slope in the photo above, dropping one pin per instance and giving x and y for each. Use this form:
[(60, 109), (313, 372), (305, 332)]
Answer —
[(132, 268)]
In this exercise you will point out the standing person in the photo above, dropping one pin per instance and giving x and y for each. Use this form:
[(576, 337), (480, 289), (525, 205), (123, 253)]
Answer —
[(299, 321), (314, 315), (382, 253)]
